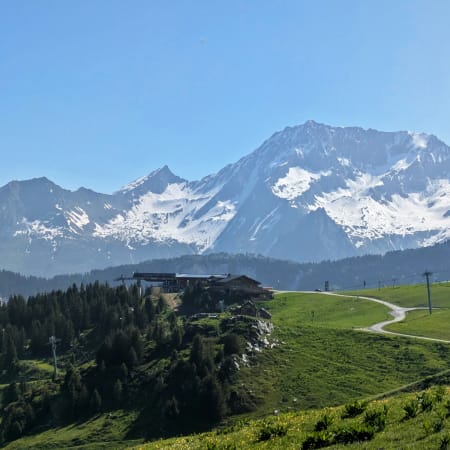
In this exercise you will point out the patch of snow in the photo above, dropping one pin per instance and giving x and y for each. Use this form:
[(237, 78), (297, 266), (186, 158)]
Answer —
[(268, 221), (296, 182), (401, 164), (362, 217), (77, 218), (134, 184), (170, 216), (38, 229), (419, 140), (344, 162)]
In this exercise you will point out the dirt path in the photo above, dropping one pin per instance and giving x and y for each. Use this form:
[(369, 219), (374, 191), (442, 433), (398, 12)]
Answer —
[(398, 312)]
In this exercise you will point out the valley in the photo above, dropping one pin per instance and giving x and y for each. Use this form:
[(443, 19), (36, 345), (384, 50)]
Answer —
[(314, 333)]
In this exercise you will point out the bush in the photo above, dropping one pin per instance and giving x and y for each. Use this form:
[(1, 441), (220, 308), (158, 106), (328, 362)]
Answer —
[(438, 425), (317, 440), (232, 344), (323, 423), (445, 443), (439, 393), (347, 435), (270, 430), (426, 401), (356, 433), (376, 419), (354, 409), (412, 408), (447, 408)]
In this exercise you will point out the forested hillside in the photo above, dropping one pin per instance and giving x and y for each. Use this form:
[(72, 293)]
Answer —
[(400, 267), (118, 349)]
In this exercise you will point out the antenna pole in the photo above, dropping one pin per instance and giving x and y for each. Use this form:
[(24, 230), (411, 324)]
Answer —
[(427, 274)]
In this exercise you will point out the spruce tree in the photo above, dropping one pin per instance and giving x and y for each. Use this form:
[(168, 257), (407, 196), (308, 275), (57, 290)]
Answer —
[(96, 401)]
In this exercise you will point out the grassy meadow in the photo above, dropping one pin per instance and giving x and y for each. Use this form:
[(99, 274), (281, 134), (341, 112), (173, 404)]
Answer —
[(411, 296), (321, 359), (421, 323), (104, 431), (424, 424)]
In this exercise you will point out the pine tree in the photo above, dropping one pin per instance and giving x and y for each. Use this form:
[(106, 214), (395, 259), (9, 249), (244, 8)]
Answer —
[(197, 351), (9, 353), (117, 392), (123, 373), (96, 401)]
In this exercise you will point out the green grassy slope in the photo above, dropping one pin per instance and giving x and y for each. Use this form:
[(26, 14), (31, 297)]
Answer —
[(429, 429), (421, 323), (104, 431), (418, 323), (411, 296), (324, 311), (319, 360)]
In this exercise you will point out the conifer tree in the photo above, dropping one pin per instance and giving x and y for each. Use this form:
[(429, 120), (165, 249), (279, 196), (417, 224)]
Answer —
[(117, 392), (96, 401)]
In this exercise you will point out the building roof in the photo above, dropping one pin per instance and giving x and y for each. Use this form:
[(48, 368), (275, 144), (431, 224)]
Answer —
[(231, 277), (192, 276)]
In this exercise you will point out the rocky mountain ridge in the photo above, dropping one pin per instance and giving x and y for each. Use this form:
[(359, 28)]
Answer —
[(308, 193)]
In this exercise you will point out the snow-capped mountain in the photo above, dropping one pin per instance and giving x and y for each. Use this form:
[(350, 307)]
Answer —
[(308, 193)]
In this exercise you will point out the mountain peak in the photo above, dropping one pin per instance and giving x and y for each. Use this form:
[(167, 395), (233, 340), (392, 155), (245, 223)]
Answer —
[(313, 124), (156, 182), (162, 171)]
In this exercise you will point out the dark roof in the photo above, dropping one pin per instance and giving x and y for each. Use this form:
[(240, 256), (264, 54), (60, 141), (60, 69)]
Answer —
[(236, 277), (164, 276), (192, 276)]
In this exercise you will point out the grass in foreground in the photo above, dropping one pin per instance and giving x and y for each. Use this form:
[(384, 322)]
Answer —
[(413, 421), (104, 431), (421, 323)]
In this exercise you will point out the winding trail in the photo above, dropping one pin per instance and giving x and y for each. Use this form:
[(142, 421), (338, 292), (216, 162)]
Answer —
[(398, 312)]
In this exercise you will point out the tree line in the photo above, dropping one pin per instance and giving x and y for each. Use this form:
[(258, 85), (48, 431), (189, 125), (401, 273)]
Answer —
[(118, 347), (406, 267)]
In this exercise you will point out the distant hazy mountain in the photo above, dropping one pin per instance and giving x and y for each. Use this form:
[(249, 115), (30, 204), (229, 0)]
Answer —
[(309, 193), (393, 268)]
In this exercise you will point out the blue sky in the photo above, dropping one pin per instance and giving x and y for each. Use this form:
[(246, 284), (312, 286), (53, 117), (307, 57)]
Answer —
[(97, 93)]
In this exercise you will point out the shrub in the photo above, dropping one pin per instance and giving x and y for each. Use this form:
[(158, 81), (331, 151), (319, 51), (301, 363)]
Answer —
[(270, 430), (317, 440), (439, 393), (323, 423), (445, 443), (426, 401), (411, 409), (232, 344), (447, 408), (438, 425), (376, 419), (354, 409), (356, 433), (347, 435)]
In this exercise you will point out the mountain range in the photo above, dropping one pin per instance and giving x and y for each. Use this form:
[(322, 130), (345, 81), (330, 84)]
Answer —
[(309, 193)]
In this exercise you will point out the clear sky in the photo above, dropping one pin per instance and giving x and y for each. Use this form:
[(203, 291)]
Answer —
[(96, 93)]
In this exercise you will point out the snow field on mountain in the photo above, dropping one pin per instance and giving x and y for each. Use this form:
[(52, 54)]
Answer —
[(170, 215)]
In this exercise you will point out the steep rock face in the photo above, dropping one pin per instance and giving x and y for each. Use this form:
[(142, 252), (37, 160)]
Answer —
[(308, 193)]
